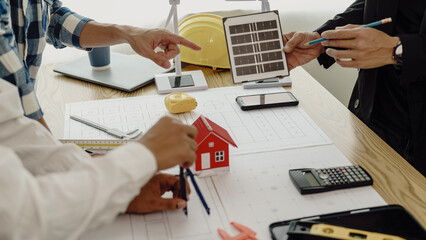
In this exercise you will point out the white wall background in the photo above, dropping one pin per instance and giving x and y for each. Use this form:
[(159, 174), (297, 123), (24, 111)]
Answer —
[(303, 15)]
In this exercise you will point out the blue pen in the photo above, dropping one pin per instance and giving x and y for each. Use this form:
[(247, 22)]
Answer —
[(373, 24), (197, 189), (183, 188)]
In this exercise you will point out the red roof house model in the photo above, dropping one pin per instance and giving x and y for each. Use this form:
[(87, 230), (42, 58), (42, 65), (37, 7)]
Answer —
[(213, 145)]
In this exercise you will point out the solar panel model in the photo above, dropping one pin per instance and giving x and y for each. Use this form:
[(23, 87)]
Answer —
[(255, 44)]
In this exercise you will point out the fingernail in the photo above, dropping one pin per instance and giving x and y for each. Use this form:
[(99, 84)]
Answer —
[(286, 48), (181, 204), (166, 65)]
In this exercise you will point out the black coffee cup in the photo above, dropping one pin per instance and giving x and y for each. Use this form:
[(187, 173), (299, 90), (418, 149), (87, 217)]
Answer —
[(100, 58)]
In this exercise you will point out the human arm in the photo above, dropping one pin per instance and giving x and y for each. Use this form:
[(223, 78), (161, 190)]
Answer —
[(12, 68), (298, 53), (62, 205), (361, 48), (143, 41), (354, 14), (67, 28), (55, 191)]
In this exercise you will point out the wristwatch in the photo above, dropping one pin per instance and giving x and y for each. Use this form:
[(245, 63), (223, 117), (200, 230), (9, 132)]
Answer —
[(397, 55)]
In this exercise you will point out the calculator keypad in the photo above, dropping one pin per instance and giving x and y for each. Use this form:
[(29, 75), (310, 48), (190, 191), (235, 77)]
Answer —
[(342, 175)]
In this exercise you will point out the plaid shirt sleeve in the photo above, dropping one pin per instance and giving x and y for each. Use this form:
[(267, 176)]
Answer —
[(65, 26), (11, 65)]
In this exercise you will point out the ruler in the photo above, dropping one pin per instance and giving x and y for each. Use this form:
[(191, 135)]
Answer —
[(97, 146)]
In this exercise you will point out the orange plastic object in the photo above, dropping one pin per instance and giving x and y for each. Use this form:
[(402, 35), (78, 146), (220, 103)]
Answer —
[(246, 233)]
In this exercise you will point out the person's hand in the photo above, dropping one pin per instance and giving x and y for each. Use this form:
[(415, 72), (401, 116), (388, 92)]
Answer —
[(145, 41), (297, 52), (364, 47), (171, 142), (150, 200)]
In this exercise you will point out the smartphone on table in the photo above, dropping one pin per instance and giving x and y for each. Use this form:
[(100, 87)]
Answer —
[(266, 100)]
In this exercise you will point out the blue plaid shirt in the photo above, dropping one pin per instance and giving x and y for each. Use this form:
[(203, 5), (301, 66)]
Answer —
[(25, 27)]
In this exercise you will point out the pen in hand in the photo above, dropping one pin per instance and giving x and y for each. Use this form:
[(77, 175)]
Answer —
[(183, 188), (373, 24)]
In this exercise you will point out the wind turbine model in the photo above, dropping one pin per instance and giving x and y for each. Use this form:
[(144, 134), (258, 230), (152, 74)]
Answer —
[(179, 81), (265, 6)]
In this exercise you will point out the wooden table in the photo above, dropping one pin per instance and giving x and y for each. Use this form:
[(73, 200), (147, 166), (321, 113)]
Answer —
[(394, 179)]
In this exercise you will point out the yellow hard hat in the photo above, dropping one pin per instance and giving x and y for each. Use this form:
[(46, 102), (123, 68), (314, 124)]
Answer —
[(206, 30)]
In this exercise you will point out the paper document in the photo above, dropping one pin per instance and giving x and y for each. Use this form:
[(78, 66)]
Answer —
[(253, 131), (256, 192), (169, 225)]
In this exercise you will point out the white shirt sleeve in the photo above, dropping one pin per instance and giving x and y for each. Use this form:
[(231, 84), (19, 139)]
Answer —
[(65, 204), (54, 191)]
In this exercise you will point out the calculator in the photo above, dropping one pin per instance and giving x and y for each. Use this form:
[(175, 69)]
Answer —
[(311, 180)]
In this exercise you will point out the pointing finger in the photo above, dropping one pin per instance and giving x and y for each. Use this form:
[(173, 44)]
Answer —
[(182, 41)]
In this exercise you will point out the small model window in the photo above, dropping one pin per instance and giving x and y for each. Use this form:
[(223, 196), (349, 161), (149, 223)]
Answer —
[(211, 144), (220, 156)]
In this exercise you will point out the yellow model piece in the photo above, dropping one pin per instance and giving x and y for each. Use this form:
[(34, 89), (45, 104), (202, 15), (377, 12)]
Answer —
[(179, 102), (343, 233)]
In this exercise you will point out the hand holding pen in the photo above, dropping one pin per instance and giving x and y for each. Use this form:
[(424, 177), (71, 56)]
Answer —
[(373, 24), (182, 180), (357, 46)]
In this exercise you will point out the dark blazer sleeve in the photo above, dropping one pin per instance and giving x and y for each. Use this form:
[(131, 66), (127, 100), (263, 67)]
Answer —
[(354, 14), (414, 55)]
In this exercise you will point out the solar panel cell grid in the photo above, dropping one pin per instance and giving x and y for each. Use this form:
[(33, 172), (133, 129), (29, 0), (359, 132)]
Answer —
[(255, 46)]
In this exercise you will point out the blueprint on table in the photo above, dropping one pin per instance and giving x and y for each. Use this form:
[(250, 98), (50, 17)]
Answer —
[(256, 192), (253, 131)]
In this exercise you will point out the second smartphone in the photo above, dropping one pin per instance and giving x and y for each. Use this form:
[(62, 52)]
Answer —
[(266, 100)]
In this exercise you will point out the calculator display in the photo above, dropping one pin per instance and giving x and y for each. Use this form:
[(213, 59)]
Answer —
[(311, 179)]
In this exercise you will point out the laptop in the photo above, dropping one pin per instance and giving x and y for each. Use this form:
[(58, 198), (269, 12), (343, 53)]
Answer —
[(126, 73)]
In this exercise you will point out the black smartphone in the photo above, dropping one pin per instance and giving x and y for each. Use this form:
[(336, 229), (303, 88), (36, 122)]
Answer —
[(267, 100)]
